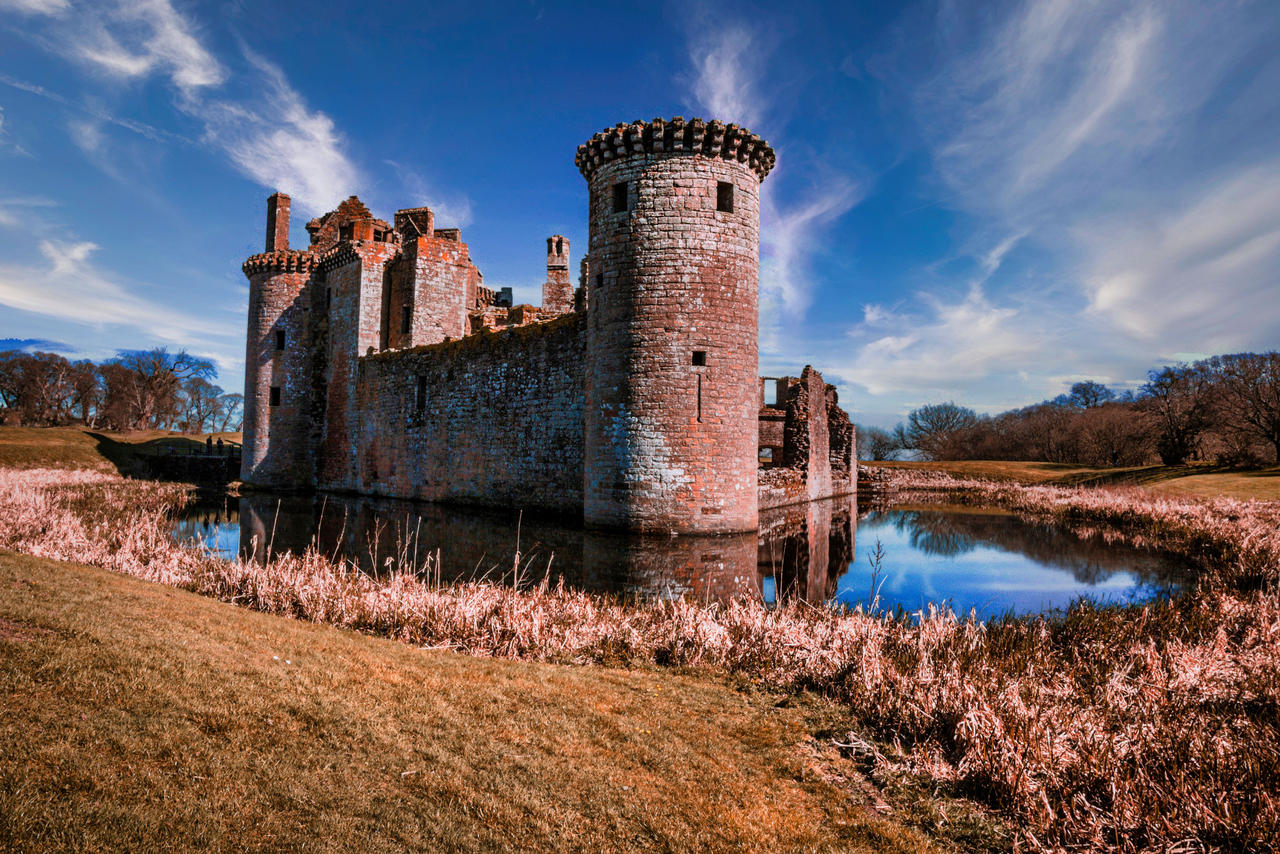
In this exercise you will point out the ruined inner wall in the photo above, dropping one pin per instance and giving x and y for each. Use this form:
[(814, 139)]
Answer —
[(493, 419), (351, 277)]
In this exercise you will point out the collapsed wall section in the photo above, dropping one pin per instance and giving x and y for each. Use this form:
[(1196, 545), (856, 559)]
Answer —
[(494, 419)]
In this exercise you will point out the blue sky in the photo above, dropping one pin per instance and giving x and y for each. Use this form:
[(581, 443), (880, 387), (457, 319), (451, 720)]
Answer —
[(974, 201)]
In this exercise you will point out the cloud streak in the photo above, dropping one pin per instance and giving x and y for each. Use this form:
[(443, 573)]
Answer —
[(1075, 133)]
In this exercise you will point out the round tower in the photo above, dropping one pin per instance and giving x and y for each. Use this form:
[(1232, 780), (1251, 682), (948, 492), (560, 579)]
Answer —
[(672, 331), (276, 443)]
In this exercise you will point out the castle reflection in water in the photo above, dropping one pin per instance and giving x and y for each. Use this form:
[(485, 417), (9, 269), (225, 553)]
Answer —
[(798, 553), (968, 557)]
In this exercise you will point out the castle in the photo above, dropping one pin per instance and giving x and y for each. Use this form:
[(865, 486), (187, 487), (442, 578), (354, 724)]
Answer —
[(378, 363)]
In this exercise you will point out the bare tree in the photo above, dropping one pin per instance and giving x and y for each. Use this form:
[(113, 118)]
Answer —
[(147, 395), (876, 444), (1177, 400), (1089, 394), (932, 429), (1247, 398)]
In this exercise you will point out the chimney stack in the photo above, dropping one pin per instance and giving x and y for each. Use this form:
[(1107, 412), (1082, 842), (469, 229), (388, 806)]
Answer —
[(278, 223)]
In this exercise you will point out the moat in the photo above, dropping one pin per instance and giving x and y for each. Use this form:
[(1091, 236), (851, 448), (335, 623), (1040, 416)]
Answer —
[(823, 552)]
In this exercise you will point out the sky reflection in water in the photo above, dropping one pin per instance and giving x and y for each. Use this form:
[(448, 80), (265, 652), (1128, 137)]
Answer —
[(966, 557)]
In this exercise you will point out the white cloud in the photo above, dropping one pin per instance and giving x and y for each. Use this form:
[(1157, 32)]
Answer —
[(280, 142), (788, 235), (451, 210), (1202, 277), (36, 7), (938, 348), (72, 289), (727, 62), (726, 65), (134, 37), (270, 135), (1093, 136)]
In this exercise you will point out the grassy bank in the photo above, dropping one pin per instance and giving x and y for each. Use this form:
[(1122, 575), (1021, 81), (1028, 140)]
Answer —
[(1204, 481), (96, 450), (137, 717), (1129, 729)]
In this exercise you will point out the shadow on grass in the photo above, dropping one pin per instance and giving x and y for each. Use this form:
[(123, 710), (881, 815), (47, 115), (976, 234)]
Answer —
[(164, 457)]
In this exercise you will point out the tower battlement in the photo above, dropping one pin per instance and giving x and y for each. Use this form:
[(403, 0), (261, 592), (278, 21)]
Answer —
[(667, 136)]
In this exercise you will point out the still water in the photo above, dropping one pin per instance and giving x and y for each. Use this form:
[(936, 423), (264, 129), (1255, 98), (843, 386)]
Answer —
[(824, 552)]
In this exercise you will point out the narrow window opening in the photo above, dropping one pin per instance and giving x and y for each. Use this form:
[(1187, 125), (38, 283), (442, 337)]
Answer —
[(724, 196), (699, 358), (619, 198), (275, 395), (699, 398), (279, 339), (328, 298), (405, 319), (420, 400), (599, 280)]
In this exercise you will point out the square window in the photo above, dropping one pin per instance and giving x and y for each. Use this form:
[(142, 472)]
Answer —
[(275, 395), (619, 198), (406, 320), (724, 197), (279, 339), (699, 358)]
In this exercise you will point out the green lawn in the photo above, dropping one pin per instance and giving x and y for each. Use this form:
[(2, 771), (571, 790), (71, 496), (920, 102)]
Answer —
[(1195, 480), (136, 717)]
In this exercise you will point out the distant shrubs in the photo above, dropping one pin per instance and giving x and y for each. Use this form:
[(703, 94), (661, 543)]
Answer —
[(1147, 728), (1225, 409)]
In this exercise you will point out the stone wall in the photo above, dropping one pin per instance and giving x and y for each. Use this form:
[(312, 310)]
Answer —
[(492, 419)]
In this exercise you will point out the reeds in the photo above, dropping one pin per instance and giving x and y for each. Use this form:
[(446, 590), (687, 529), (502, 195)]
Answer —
[(1128, 729)]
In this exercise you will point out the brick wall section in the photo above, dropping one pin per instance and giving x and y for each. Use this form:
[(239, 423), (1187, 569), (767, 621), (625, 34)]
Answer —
[(671, 445), (501, 423), (353, 274), (806, 440), (557, 290)]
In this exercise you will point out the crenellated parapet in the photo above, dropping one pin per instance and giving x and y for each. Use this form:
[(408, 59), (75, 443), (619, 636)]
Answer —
[(711, 139), (338, 256), (284, 261)]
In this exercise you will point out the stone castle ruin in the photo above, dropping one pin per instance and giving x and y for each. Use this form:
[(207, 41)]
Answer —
[(378, 362)]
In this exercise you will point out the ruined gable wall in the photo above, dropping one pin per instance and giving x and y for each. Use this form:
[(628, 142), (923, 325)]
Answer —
[(353, 275), (501, 424)]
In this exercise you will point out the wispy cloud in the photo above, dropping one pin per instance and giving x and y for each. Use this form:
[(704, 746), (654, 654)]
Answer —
[(73, 289), (136, 37), (726, 65), (269, 133), (278, 141), (36, 7), (1202, 277), (1081, 133), (728, 59)]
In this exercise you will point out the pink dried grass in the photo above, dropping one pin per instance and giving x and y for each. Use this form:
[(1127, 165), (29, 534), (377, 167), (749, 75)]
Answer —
[(1132, 730)]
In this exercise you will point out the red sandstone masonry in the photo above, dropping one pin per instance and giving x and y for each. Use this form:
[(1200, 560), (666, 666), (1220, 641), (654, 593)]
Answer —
[(671, 437), (500, 422)]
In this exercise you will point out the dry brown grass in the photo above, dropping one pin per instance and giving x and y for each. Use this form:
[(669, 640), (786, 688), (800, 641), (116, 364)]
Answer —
[(1200, 481), (136, 717), (1130, 729)]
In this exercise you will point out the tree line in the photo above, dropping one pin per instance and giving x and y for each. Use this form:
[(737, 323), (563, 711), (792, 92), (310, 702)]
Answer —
[(136, 390), (1224, 409)]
